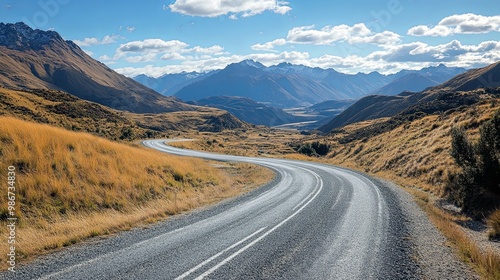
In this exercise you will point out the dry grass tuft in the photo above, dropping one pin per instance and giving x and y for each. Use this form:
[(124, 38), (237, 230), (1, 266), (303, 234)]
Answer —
[(71, 186), (494, 224), (486, 262)]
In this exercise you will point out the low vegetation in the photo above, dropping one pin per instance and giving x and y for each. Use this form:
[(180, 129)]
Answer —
[(476, 187), (312, 148), (71, 186)]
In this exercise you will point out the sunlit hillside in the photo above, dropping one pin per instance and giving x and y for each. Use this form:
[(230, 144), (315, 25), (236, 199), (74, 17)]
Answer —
[(74, 185)]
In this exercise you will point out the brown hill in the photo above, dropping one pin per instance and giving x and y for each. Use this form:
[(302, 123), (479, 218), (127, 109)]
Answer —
[(35, 59), (64, 110), (440, 98), (486, 77)]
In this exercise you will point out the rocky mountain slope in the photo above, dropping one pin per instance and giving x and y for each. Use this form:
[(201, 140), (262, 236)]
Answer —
[(36, 59), (458, 91), (287, 85)]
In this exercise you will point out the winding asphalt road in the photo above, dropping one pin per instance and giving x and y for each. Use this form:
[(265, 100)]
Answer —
[(314, 221)]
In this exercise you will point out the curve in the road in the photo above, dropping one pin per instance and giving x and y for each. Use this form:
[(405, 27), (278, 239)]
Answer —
[(314, 221)]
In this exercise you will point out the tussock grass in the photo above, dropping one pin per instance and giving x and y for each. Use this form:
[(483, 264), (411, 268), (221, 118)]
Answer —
[(486, 262), (417, 152), (71, 186), (494, 224)]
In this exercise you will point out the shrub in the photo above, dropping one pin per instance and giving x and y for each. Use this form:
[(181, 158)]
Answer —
[(312, 149), (479, 179), (307, 149), (321, 149)]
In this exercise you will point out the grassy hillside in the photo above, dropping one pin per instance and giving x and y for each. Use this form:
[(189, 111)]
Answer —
[(61, 109), (416, 151), (74, 185), (64, 110)]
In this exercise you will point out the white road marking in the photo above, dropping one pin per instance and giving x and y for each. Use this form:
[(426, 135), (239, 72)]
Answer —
[(187, 273), (226, 260)]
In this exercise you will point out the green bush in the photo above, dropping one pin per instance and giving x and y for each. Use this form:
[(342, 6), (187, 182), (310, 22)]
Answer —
[(479, 180), (312, 149), (307, 149)]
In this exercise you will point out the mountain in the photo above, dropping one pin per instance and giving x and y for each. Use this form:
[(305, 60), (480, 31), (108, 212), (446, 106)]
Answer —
[(250, 111), (169, 84), (286, 85), (413, 80), (458, 91), (283, 85), (486, 77), (36, 59)]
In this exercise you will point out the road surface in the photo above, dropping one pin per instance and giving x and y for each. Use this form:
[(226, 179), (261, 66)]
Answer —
[(314, 221)]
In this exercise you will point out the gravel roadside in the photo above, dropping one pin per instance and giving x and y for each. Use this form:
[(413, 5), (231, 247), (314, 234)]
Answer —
[(435, 258)]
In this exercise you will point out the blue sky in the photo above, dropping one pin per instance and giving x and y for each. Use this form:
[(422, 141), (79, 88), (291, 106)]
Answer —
[(157, 37)]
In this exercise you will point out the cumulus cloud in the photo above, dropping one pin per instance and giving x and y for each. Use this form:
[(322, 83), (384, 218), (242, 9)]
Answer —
[(149, 49), (210, 50), (148, 57), (108, 39), (356, 34), (459, 24), (269, 45), (173, 56), (156, 45), (233, 8), (453, 51)]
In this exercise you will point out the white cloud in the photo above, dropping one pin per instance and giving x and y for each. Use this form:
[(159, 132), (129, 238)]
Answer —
[(108, 39), (328, 35), (459, 24), (90, 53), (149, 49), (383, 38), (173, 56), (453, 53), (269, 45), (155, 45), (233, 8), (148, 57), (105, 58), (130, 28), (210, 50)]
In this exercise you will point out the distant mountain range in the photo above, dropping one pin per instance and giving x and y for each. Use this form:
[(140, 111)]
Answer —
[(171, 83), (286, 85), (36, 59), (458, 91)]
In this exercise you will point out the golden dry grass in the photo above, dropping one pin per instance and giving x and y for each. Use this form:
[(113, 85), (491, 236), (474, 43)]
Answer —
[(494, 224), (72, 186), (485, 261), (416, 153)]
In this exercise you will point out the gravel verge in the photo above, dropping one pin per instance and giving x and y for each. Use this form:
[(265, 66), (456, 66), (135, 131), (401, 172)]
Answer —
[(435, 258)]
